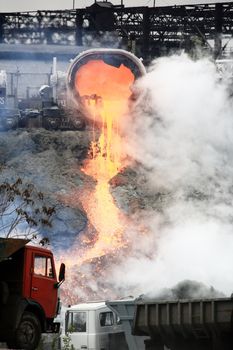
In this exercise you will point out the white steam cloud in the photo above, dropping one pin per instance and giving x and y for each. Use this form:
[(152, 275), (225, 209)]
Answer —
[(182, 134)]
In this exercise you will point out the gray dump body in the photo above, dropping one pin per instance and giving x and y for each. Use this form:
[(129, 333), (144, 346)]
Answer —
[(185, 324), (125, 309)]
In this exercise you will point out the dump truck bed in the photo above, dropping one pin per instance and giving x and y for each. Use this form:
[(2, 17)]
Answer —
[(198, 318), (206, 322), (203, 324), (9, 246), (125, 309)]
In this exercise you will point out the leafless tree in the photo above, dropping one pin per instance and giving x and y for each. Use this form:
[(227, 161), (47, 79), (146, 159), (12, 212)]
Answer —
[(23, 210)]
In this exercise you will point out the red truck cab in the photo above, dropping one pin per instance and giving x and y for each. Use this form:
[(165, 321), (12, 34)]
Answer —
[(28, 293)]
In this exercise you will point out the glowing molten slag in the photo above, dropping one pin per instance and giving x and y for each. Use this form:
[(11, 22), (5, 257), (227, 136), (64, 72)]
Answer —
[(105, 90)]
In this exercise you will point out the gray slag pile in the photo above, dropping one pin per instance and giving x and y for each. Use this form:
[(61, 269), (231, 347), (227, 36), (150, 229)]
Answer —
[(50, 161)]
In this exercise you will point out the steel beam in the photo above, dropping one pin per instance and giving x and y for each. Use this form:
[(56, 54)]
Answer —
[(152, 28)]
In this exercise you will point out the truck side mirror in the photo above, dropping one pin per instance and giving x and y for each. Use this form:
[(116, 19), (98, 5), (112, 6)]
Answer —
[(62, 272), (61, 277)]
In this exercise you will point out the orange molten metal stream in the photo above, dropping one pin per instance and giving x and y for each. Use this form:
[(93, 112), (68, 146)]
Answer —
[(106, 90)]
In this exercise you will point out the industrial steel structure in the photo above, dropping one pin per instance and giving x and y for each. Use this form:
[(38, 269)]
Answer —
[(148, 31)]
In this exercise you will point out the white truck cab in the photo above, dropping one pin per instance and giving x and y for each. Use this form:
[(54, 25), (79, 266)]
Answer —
[(93, 326)]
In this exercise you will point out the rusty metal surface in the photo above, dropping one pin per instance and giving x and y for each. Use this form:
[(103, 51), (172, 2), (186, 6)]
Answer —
[(8, 246)]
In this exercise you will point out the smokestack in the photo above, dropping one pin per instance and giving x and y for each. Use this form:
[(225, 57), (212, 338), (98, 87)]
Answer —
[(54, 78)]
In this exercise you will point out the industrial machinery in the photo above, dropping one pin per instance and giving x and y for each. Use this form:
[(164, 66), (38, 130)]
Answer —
[(99, 75), (57, 112), (65, 103), (9, 114)]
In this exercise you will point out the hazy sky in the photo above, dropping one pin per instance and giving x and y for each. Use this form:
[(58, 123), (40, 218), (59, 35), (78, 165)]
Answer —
[(26, 5)]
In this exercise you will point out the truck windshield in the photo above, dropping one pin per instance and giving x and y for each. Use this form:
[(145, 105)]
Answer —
[(43, 266)]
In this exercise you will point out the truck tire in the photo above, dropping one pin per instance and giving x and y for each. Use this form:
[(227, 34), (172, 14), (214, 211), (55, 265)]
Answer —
[(28, 333)]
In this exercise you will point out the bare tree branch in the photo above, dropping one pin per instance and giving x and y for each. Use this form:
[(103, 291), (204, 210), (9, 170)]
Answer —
[(22, 206)]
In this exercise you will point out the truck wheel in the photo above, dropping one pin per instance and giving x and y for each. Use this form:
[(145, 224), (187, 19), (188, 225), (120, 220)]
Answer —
[(28, 333)]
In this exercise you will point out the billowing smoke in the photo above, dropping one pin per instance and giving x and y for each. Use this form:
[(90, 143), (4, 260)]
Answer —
[(175, 198), (181, 137)]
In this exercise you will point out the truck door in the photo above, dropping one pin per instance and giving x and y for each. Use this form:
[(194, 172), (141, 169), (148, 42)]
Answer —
[(77, 326), (43, 283), (106, 324)]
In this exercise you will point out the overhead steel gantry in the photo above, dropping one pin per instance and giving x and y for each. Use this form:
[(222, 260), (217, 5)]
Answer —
[(151, 31)]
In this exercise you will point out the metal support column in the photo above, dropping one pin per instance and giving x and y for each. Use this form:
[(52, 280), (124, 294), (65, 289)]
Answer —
[(146, 33), (218, 30), (48, 35), (2, 21), (79, 28)]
